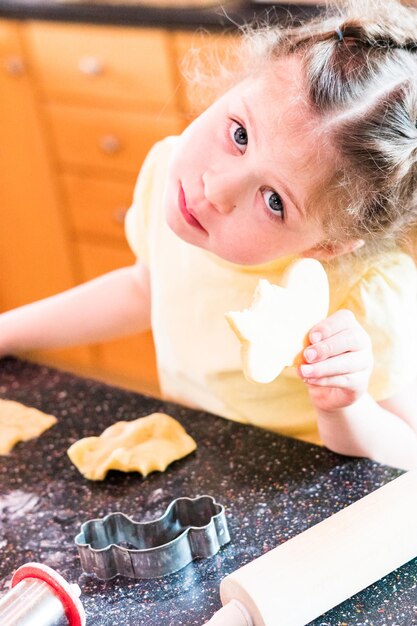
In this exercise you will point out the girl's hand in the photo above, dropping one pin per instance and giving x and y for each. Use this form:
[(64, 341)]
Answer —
[(338, 362)]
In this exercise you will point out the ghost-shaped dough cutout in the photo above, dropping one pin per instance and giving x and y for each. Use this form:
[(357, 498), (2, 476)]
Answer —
[(273, 330), (21, 423), (144, 445)]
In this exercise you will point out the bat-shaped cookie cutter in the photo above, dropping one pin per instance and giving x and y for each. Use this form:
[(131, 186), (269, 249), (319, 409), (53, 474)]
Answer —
[(190, 528)]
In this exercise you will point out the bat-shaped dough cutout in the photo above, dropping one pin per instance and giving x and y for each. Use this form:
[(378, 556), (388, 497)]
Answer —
[(273, 330), (21, 423), (144, 445)]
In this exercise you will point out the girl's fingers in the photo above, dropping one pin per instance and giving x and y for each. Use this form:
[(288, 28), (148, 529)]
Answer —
[(340, 354), (348, 363), (342, 381), (348, 340), (335, 323)]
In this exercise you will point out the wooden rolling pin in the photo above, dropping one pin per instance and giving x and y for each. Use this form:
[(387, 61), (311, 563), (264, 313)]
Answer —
[(311, 573)]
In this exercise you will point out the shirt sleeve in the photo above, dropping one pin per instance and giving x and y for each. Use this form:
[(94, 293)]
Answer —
[(384, 301), (138, 215)]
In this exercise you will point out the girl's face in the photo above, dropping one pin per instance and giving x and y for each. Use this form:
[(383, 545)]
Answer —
[(241, 175)]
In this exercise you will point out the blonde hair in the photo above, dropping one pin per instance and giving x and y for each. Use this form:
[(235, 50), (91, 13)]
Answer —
[(360, 63)]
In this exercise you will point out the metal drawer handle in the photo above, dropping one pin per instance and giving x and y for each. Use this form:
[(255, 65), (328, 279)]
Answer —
[(90, 66), (119, 215), (14, 65), (110, 144)]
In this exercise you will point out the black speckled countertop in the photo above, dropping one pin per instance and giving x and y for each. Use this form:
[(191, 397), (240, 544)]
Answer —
[(272, 488), (218, 15)]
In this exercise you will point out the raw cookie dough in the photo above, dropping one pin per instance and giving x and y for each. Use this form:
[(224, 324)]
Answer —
[(273, 330), (20, 423), (144, 445)]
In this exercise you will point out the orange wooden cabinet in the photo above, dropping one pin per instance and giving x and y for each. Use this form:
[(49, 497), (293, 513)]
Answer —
[(104, 110), (81, 106), (106, 141), (32, 225), (97, 206), (109, 66), (36, 255)]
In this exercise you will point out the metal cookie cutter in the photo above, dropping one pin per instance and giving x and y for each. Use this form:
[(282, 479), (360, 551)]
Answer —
[(190, 528)]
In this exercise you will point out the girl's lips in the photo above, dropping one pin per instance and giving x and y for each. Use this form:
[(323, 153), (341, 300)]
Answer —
[(189, 218)]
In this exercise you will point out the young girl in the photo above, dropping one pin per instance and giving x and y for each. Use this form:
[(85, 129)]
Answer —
[(312, 152)]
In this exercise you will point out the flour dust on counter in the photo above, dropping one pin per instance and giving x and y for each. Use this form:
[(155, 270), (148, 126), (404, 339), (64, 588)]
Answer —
[(272, 488)]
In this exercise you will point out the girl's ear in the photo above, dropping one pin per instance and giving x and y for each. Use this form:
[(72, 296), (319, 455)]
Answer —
[(327, 250)]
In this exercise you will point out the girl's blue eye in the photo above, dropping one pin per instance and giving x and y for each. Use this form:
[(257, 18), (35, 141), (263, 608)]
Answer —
[(273, 202), (239, 136)]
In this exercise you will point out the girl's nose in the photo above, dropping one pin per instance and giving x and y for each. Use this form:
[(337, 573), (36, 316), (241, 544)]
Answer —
[(222, 189)]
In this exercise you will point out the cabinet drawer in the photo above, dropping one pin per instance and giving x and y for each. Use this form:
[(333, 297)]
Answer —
[(97, 206), (102, 64), (107, 140)]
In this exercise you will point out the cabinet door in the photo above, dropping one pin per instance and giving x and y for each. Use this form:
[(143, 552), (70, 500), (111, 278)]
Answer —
[(35, 254)]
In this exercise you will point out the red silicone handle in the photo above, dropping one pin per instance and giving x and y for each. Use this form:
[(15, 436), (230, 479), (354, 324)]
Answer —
[(73, 608)]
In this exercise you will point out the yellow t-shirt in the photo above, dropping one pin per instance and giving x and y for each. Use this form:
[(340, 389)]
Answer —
[(198, 355)]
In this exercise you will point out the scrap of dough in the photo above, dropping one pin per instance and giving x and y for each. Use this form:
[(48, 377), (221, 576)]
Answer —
[(20, 423), (144, 445), (273, 330)]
